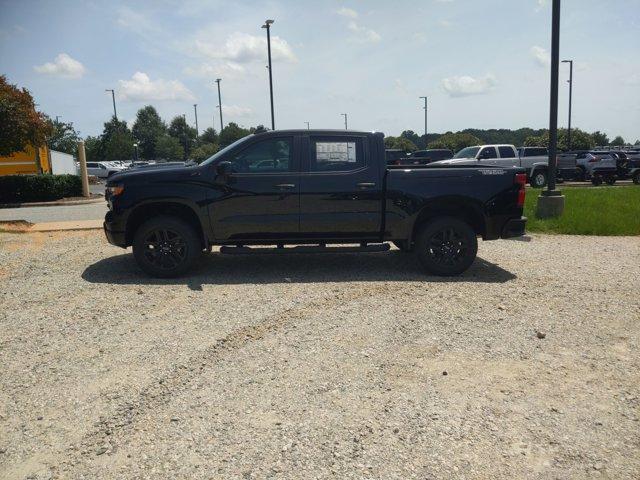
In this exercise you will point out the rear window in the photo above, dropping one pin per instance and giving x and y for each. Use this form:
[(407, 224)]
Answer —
[(535, 152), (506, 152)]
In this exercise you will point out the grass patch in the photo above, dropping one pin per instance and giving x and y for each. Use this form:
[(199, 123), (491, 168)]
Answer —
[(590, 211)]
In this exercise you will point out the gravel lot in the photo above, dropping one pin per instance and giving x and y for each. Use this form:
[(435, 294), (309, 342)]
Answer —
[(326, 366)]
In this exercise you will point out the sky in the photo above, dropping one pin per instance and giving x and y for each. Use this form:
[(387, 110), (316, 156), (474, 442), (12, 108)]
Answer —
[(481, 63)]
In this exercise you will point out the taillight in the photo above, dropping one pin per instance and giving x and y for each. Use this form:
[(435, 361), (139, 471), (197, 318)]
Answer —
[(521, 179)]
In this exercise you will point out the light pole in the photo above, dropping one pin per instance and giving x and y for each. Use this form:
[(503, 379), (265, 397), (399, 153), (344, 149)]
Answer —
[(345, 120), (220, 103), (113, 97), (195, 110), (551, 201), (307, 125), (570, 62), (425, 120), (267, 25), (57, 118)]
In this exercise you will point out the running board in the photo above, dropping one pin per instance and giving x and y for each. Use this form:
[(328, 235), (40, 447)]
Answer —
[(244, 250)]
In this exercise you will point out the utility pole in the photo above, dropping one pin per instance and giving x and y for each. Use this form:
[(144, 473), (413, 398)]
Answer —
[(57, 118), (113, 97), (195, 110), (345, 120), (307, 125), (551, 201), (267, 25), (425, 120), (570, 62), (220, 103)]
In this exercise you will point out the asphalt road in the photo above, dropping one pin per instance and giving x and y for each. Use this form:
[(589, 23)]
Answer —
[(89, 211)]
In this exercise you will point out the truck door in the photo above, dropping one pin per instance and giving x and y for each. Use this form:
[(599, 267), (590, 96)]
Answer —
[(508, 157), (340, 188), (488, 156), (261, 198)]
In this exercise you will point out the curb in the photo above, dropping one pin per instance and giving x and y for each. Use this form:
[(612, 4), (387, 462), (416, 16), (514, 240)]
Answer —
[(55, 203)]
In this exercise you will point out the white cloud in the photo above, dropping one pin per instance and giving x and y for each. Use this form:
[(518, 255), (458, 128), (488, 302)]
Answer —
[(244, 48), (227, 70), (362, 34), (141, 88), (444, 23), (465, 85), (236, 110), (133, 20), (541, 56), (400, 86), (62, 66), (419, 37), (347, 12)]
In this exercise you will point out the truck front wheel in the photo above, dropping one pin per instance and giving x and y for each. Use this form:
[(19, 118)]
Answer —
[(446, 246), (165, 246), (538, 179)]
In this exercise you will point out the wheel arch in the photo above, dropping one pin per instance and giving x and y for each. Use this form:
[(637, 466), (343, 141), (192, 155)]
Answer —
[(458, 207), (175, 208)]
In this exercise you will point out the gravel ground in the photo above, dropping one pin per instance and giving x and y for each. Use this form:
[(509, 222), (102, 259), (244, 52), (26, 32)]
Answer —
[(88, 211), (326, 366)]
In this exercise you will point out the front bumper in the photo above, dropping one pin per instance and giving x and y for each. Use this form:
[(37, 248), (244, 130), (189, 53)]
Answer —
[(514, 227), (114, 230)]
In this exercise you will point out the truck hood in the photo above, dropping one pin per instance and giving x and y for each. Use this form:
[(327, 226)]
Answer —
[(456, 161), (153, 173)]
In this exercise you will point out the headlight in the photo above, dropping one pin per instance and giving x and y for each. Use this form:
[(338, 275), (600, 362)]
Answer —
[(113, 190)]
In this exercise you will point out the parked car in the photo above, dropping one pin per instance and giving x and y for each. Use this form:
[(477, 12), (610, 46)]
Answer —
[(634, 169), (103, 169), (394, 156), (423, 157), (597, 167), (323, 187), (534, 159)]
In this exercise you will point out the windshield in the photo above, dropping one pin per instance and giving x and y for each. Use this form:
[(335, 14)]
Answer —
[(469, 152), (220, 153)]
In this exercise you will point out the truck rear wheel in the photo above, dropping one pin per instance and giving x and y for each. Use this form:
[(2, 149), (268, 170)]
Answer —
[(538, 179), (165, 246), (446, 246)]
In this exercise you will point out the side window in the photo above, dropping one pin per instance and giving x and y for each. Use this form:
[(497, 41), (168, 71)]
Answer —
[(336, 154), (91, 165), (506, 152), (267, 156), (488, 152)]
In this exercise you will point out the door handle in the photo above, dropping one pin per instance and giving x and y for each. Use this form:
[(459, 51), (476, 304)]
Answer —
[(285, 186), (365, 185)]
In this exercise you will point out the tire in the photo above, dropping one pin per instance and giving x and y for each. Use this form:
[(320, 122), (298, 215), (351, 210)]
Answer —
[(165, 246), (402, 245), (581, 176), (597, 180), (446, 246), (538, 179), (610, 180), (636, 178)]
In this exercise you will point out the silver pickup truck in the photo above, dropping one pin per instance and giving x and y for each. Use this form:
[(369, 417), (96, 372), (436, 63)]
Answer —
[(534, 159)]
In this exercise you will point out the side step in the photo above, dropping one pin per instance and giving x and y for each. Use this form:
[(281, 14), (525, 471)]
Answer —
[(244, 250)]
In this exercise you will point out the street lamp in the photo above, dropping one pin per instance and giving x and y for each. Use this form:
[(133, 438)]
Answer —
[(113, 97), (220, 104), (135, 152), (570, 62), (195, 109), (425, 119), (345, 120), (267, 25)]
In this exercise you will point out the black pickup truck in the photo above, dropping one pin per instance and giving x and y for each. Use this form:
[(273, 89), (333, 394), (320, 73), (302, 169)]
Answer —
[(311, 188)]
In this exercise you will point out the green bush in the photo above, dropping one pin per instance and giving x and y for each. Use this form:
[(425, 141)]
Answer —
[(38, 188)]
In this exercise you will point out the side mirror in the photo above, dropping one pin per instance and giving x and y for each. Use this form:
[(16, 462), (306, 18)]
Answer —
[(224, 169)]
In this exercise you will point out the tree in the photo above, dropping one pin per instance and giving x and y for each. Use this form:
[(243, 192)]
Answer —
[(116, 141), (414, 138), (580, 140), (637, 142), (20, 124), (618, 141), (204, 151), (169, 148), (400, 143), (148, 129), (231, 133), (92, 146), (63, 138), (455, 141), (208, 136), (600, 138), (186, 135)]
